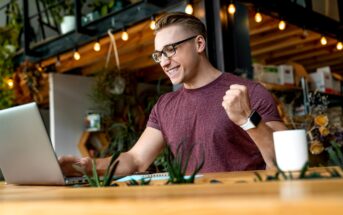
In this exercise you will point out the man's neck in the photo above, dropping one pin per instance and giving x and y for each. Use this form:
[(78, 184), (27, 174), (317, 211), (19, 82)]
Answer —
[(206, 73)]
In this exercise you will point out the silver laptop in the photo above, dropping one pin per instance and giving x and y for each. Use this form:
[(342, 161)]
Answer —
[(26, 154)]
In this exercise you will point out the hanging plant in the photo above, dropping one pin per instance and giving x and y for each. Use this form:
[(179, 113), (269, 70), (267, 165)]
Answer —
[(122, 118)]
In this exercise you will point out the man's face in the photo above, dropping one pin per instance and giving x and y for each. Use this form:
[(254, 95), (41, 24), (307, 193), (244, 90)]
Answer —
[(180, 67)]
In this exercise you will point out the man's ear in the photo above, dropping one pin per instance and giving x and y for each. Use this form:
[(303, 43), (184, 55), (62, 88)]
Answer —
[(200, 43)]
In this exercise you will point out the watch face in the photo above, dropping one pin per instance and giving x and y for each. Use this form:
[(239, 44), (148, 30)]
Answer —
[(255, 118)]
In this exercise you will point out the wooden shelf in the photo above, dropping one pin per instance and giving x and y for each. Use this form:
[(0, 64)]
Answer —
[(279, 87)]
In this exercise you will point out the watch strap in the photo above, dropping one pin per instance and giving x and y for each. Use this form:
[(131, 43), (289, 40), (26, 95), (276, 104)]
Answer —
[(253, 120)]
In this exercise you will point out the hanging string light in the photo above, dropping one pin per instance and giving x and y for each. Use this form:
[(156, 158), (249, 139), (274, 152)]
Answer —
[(97, 46), (152, 23), (339, 46), (58, 61), (10, 83), (323, 40), (40, 68), (304, 35), (189, 8), (124, 35), (258, 17), (282, 25), (76, 54), (231, 9)]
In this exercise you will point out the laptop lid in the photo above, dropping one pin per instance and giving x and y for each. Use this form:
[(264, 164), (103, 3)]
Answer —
[(26, 153)]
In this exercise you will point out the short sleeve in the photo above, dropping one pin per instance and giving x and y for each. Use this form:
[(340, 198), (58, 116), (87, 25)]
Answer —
[(153, 120), (263, 102)]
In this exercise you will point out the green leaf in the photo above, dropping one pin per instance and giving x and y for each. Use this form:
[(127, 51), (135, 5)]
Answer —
[(259, 178), (110, 176), (333, 156), (95, 174), (103, 10), (303, 171)]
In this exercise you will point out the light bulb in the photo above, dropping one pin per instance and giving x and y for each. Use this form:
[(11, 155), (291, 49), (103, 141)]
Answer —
[(97, 46), (152, 25), (189, 9), (40, 68), (282, 25), (323, 41), (76, 55), (258, 17), (231, 9), (339, 46), (124, 36), (10, 83)]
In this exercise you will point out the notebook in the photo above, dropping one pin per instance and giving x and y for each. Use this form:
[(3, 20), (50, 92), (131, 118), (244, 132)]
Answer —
[(26, 153)]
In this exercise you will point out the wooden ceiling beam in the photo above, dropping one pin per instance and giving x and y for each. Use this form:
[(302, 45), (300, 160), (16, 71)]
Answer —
[(139, 34), (325, 63), (127, 60), (285, 44), (274, 37), (266, 20), (267, 26), (306, 47), (323, 57)]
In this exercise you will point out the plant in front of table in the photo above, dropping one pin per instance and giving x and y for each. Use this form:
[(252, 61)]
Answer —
[(108, 178), (177, 165), (142, 182), (304, 174)]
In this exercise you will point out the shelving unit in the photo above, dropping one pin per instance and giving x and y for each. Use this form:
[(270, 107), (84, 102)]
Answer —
[(279, 87)]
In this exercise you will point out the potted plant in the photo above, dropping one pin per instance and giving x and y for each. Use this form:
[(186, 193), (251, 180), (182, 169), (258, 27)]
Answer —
[(101, 7), (63, 13), (68, 21)]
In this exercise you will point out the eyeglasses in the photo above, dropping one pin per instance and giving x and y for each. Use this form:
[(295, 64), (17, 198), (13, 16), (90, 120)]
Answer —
[(168, 50)]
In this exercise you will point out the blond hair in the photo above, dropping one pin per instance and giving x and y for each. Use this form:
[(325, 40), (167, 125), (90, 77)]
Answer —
[(185, 20)]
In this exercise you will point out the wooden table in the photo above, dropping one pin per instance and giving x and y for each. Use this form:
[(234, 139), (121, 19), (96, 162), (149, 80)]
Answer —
[(237, 194)]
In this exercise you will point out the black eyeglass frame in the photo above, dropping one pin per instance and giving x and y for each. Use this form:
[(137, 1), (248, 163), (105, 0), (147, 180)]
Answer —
[(173, 45)]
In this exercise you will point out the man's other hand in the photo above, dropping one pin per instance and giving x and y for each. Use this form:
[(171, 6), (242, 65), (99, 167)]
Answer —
[(67, 165)]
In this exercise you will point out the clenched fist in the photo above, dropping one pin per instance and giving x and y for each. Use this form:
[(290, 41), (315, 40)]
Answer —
[(237, 104)]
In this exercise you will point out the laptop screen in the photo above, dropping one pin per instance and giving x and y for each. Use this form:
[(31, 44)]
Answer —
[(26, 153)]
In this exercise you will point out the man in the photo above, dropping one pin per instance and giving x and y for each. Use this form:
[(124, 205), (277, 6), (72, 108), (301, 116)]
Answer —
[(228, 119)]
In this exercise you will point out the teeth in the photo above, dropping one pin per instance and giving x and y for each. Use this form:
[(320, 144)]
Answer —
[(172, 71)]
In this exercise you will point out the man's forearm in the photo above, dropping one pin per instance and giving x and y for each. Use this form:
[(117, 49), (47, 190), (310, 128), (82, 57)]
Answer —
[(263, 138), (126, 165)]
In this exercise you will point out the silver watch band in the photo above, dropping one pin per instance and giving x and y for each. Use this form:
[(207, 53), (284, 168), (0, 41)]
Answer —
[(248, 125)]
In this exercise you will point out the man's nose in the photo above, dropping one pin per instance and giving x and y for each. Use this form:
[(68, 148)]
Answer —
[(165, 61)]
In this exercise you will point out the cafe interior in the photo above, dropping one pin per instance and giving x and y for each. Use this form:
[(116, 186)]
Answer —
[(87, 66)]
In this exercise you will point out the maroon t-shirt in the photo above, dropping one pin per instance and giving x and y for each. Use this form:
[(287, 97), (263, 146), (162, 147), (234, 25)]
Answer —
[(196, 116)]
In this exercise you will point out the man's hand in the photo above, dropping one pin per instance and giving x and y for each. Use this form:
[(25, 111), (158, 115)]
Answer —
[(67, 162), (236, 104)]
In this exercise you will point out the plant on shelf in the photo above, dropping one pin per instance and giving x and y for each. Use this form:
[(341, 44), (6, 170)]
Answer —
[(177, 165), (62, 12), (101, 6)]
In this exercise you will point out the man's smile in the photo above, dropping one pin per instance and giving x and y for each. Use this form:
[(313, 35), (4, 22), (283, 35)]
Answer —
[(172, 71)]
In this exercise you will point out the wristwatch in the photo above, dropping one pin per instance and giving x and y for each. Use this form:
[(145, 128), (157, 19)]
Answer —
[(253, 120)]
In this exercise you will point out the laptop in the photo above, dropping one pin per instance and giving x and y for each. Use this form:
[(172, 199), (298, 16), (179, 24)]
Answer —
[(26, 153)]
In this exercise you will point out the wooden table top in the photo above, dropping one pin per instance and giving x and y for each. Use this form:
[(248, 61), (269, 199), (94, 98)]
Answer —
[(236, 194)]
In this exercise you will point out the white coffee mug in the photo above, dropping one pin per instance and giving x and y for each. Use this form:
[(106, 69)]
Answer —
[(291, 149)]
